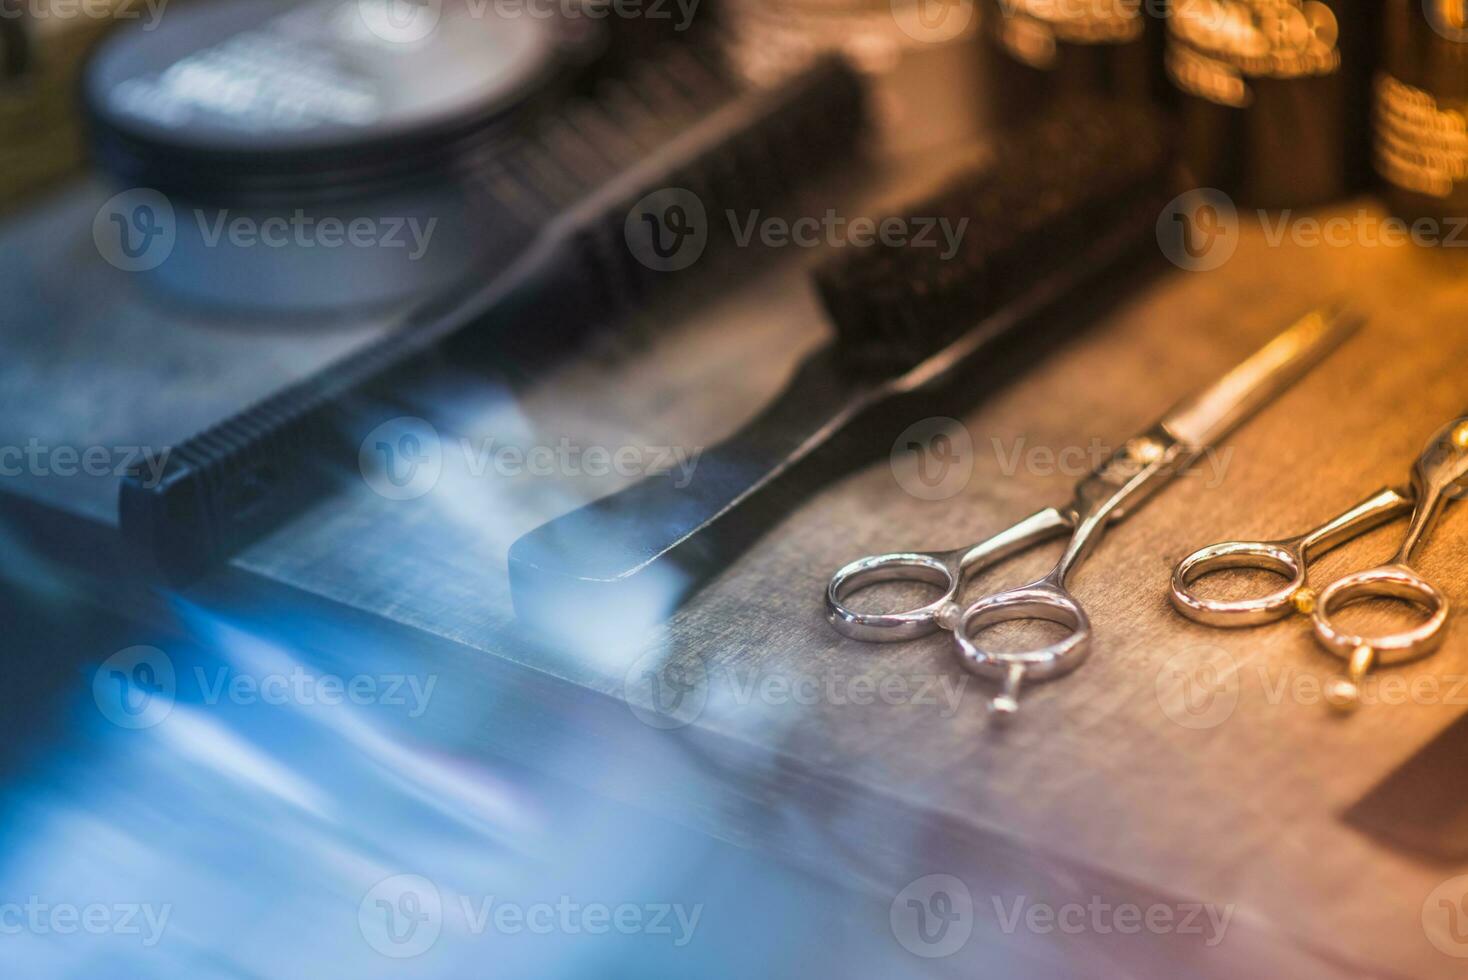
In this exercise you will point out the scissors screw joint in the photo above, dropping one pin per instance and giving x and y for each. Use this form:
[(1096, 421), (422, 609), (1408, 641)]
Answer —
[(948, 615)]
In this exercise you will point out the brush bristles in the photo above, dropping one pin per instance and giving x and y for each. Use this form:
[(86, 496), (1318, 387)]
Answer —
[(1048, 189)]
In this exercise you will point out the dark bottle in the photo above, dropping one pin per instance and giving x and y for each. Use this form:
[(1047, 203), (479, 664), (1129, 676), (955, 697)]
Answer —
[(1043, 51), (1421, 121), (1273, 96)]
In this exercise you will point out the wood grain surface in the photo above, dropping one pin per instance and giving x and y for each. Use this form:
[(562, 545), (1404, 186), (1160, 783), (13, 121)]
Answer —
[(1120, 780)]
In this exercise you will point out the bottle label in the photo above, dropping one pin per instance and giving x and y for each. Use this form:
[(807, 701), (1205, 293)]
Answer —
[(1031, 30), (1215, 47), (1420, 146)]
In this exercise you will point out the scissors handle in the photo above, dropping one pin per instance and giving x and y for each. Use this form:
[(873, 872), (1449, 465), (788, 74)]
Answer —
[(948, 570), (1287, 558), (1388, 582), (1046, 600)]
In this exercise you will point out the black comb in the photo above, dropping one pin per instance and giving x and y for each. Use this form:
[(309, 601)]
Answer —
[(562, 200), (1064, 210)]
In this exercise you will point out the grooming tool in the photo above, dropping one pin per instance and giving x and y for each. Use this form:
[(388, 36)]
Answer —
[(1420, 145), (1422, 807), (1115, 490), (566, 193), (1069, 204), (1436, 476), (1273, 96)]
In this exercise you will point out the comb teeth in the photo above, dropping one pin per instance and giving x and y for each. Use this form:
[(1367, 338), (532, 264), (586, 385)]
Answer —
[(1049, 187)]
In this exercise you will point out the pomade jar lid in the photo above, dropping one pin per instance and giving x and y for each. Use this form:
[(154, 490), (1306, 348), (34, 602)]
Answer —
[(266, 99)]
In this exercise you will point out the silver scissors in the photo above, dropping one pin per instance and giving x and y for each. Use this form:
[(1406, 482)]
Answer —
[(1116, 489), (1440, 470)]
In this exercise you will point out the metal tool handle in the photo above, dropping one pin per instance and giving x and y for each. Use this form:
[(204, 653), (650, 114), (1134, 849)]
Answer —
[(1287, 558), (1044, 600), (1440, 473), (948, 570)]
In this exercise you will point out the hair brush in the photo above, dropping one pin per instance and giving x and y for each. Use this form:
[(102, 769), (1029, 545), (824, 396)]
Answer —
[(1058, 216), (563, 264)]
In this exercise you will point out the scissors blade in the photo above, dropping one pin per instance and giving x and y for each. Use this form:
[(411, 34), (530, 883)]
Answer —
[(1208, 416)]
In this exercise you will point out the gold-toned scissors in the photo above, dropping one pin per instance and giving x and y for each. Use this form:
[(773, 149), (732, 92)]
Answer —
[(1440, 471), (1116, 489)]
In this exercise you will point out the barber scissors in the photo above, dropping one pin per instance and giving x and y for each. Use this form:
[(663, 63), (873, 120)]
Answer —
[(1438, 473), (1114, 490)]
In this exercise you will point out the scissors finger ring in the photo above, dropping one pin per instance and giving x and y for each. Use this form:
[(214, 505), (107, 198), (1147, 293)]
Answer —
[(1441, 468)]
